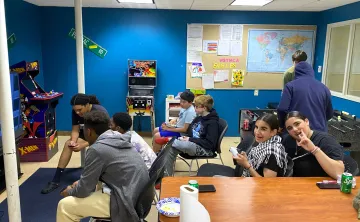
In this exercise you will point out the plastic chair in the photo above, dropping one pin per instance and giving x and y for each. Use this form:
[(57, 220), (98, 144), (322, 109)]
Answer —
[(223, 126)]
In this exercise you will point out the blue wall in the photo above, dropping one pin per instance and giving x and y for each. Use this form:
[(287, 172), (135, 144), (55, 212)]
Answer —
[(339, 14), (142, 34), (23, 19)]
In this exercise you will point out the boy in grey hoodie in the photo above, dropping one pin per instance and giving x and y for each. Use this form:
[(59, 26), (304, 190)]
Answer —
[(111, 160)]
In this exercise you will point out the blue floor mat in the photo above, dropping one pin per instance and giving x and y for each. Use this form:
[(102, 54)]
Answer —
[(37, 207)]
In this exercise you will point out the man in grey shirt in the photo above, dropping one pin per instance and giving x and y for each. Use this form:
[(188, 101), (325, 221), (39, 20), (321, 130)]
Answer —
[(112, 160)]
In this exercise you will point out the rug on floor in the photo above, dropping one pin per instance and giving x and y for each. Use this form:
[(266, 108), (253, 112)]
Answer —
[(37, 207)]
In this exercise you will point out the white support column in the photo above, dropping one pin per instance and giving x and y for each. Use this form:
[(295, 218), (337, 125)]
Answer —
[(7, 125), (80, 57), (79, 46)]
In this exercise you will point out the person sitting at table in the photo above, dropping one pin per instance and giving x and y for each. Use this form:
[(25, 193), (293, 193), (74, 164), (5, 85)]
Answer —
[(315, 153), (268, 158)]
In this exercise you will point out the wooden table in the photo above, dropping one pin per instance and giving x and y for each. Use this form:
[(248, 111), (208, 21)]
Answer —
[(267, 199)]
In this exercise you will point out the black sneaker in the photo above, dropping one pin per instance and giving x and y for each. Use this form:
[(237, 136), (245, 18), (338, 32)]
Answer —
[(51, 186)]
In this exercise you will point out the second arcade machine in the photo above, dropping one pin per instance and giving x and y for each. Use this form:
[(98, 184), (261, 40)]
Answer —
[(40, 141), (142, 82)]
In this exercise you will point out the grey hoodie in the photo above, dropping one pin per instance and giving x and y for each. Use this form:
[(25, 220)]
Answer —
[(112, 160)]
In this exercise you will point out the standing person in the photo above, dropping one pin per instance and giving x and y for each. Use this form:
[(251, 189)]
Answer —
[(308, 96), (81, 104), (298, 56), (112, 160)]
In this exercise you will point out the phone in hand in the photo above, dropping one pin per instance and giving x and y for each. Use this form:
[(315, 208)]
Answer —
[(206, 188), (234, 151), (323, 185)]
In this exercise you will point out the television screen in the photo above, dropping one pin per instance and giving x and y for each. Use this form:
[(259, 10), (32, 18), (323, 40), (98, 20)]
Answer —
[(142, 68)]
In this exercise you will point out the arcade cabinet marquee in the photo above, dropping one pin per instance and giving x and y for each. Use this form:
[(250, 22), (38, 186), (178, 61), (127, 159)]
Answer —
[(39, 142)]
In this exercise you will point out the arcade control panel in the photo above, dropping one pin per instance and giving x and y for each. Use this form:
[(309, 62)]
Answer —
[(46, 96)]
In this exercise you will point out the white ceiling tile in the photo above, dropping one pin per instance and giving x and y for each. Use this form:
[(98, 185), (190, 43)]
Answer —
[(242, 8), (276, 5), (173, 4), (284, 5), (323, 5), (210, 4), (137, 5)]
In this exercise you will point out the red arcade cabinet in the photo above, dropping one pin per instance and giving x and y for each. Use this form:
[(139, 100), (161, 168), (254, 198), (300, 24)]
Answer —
[(40, 141)]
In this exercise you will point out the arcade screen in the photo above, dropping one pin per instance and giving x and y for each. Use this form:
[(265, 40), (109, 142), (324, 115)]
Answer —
[(142, 68), (30, 85)]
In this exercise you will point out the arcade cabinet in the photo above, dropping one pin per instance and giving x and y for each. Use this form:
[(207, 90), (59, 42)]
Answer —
[(18, 130), (40, 141), (141, 85)]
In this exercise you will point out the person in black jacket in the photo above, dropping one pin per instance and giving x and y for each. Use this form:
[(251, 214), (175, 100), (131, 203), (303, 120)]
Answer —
[(203, 133)]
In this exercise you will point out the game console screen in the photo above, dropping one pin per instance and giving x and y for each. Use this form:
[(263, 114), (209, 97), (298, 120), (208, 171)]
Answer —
[(142, 68)]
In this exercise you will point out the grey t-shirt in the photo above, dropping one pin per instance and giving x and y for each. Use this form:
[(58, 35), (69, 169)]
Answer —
[(186, 116)]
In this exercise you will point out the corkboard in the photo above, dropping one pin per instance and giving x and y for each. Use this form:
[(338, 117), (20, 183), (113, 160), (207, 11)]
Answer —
[(272, 81)]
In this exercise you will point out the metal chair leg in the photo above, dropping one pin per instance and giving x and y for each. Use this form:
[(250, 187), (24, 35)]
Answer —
[(221, 159), (197, 162), (190, 167), (207, 160)]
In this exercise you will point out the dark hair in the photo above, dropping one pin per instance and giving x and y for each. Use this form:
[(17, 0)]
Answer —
[(122, 120), (295, 114), (83, 99), (98, 121), (271, 120), (187, 96), (299, 56)]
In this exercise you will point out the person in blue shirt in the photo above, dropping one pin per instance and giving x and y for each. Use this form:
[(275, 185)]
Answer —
[(81, 104), (177, 127), (308, 96)]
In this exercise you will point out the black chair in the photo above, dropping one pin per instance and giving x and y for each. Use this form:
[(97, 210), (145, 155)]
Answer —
[(146, 197), (223, 127), (210, 170), (351, 165)]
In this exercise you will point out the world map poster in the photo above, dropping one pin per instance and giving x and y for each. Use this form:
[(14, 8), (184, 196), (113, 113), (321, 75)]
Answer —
[(271, 50)]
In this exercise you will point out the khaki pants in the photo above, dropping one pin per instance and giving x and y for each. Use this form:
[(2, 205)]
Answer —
[(74, 209)]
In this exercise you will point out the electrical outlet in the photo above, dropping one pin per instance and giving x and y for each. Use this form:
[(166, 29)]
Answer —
[(319, 69), (256, 92)]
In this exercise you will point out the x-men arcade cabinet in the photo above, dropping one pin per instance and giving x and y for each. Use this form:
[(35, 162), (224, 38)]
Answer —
[(18, 129), (141, 82), (40, 141)]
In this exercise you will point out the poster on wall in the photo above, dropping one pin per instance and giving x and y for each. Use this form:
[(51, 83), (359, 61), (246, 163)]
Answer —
[(210, 46), (237, 77)]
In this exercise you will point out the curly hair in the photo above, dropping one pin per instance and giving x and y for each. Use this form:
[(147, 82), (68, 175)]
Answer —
[(122, 120), (98, 121)]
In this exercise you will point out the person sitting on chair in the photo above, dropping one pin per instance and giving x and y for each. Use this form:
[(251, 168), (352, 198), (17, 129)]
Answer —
[(176, 127), (203, 133), (81, 104), (112, 160), (268, 158), (315, 153), (121, 122)]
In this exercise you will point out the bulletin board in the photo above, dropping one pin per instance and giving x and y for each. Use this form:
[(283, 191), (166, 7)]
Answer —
[(251, 80)]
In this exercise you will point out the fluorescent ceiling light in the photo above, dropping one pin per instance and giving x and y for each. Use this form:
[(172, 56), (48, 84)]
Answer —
[(251, 2), (136, 1)]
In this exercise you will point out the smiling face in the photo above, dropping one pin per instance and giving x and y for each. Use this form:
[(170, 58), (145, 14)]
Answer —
[(263, 132), (295, 125)]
